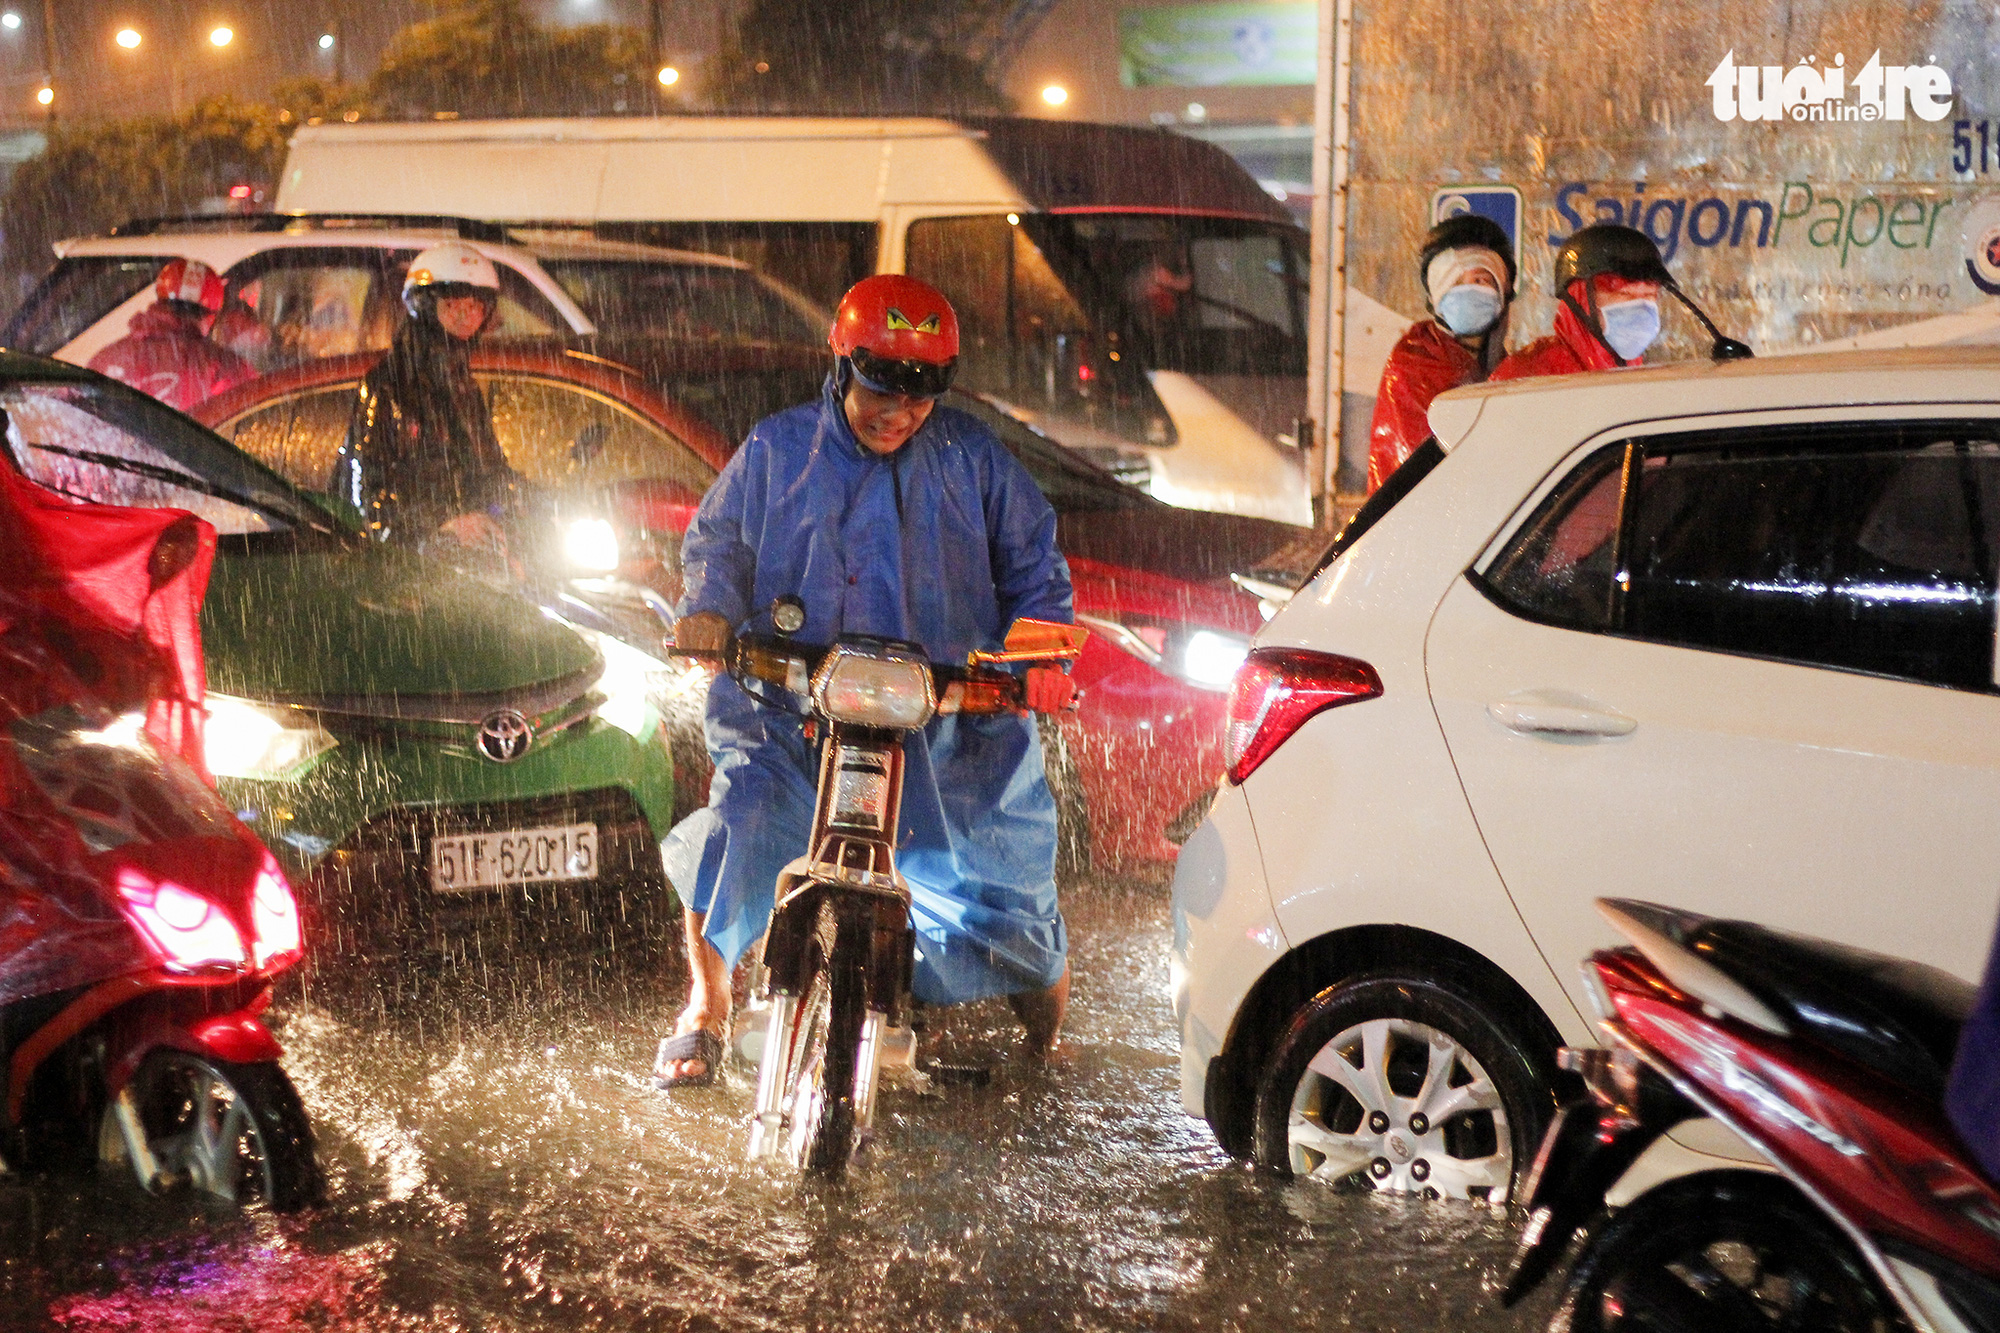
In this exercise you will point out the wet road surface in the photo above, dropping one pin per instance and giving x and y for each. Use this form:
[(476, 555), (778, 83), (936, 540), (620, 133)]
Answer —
[(496, 1162)]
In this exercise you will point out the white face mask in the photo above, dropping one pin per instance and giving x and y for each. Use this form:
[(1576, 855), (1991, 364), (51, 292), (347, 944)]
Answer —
[(1630, 326), (1469, 309)]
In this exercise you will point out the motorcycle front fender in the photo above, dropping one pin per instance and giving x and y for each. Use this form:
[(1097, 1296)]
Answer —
[(1593, 1142), (185, 1022)]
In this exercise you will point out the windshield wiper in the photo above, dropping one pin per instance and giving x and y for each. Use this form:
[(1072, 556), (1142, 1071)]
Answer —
[(175, 477)]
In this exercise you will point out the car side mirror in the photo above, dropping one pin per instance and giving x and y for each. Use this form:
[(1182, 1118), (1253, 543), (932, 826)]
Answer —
[(588, 444)]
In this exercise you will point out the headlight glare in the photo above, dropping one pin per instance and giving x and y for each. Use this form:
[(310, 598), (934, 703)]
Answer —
[(630, 681), (1210, 658), (592, 544), (249, 740)]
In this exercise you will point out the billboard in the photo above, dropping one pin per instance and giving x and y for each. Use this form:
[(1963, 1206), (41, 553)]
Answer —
[(1218, 45)]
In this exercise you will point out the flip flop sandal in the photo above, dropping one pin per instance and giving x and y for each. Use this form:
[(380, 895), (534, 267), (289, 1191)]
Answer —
[(702, 1045)]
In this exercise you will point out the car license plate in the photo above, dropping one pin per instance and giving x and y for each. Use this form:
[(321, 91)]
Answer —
[(519, 856)]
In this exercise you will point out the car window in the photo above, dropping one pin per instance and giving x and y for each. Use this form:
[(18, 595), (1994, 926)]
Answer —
[(91, 442), (74, 295), (1866, 547), (1562, 564), (561, 434), (683, 302), (304, 303), (297, 436)]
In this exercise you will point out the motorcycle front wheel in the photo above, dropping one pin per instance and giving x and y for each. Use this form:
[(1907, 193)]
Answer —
[(231, 1133), (819, 1086), (1724, 1252)]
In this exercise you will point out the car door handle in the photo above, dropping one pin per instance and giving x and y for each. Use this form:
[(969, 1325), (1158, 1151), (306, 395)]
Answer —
[(1545, 717)]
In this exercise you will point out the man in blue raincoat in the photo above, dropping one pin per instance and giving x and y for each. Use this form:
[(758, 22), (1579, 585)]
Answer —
[(884, 514)]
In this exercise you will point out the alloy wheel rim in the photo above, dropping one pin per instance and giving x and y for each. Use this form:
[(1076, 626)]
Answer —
[(1404, 1107)]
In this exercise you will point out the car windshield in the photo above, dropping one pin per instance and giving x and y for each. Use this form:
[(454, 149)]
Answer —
[(1201, 295), (104, 443), (685, 302), (1071, 485)]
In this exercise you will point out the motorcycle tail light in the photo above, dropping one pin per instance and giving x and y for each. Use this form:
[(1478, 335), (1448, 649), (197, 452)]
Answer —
[(872, 691), (1276, 690), (188, 930), (274, 918)]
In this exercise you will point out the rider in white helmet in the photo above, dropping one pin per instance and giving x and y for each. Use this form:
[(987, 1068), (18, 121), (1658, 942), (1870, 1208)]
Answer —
[(421, 456)]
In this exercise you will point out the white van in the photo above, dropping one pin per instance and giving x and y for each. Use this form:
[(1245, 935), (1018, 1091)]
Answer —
[(1131, 293)]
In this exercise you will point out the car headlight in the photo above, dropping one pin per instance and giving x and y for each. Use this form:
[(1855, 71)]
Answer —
[(630, 682), (592, 544), (1204, 658), (264, 741), (870, 691), (1209, 658)]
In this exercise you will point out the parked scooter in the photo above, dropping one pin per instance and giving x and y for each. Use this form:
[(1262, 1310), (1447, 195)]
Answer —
[(141, 924), (838, 960), (1830, 1062)]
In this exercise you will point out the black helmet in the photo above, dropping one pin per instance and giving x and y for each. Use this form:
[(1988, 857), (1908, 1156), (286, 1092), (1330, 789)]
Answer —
[(1608, 248), (1463, 230)]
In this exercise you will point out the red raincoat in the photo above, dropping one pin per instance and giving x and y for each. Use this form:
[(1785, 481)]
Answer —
[(1567, 351), (98, 607), (165, 355), (1424, 363)]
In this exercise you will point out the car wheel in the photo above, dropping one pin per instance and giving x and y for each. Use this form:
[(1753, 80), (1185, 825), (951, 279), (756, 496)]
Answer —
[(1402, 1083)]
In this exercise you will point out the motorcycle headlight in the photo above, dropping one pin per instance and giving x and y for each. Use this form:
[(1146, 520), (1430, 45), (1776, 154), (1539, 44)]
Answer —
[(190, 931), (870, 691), (263, 741), (274, 914), (591, 543), (630, 682)]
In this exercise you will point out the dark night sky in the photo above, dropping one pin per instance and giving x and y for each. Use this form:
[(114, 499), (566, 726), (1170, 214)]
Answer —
[(175, 64)]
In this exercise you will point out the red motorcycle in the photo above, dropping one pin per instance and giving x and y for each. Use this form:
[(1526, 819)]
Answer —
[(1865, 1211), (141, 924)]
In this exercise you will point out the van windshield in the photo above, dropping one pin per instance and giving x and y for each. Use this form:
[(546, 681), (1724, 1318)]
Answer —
[(1201, 295)]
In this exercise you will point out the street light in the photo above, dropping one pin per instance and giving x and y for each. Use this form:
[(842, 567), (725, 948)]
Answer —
[(669, 76), (46, 96), (10, 20), (326, 41), (221, 37), (127, 38), (1055, 94)]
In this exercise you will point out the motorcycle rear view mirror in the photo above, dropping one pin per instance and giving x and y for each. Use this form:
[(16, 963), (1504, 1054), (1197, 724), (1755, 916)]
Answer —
[(788, 614), (1035, 641)]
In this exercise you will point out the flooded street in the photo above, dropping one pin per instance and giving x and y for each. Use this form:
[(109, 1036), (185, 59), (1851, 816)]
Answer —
[(496, 1162)]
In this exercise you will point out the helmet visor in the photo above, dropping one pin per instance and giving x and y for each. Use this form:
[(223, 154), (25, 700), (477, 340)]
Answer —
[(909, 377)]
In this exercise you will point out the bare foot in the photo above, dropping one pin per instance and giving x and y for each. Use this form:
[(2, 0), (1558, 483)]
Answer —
[(1041, 1013), (709, 1000)]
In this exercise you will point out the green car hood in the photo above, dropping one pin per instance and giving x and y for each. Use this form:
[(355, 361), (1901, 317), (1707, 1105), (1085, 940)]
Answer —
[(376, 631)]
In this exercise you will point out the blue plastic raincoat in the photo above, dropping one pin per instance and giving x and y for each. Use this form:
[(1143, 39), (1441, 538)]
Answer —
[(944, 543)]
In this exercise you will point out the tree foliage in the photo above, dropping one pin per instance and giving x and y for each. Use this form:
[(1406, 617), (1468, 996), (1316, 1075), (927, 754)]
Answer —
[(859, 57), (490, 58), (92, 176)]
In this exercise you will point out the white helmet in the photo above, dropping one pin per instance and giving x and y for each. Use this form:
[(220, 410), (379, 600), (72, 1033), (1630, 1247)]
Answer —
[(440, 269)]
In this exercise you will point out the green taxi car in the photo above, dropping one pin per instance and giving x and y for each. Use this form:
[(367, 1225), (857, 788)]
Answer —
[(441, 766)]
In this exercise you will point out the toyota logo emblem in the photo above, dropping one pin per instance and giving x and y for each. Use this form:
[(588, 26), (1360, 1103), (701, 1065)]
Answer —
[(504, 736)]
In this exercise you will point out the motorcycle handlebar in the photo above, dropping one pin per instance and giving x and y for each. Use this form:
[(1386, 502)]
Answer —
[(780, 662)]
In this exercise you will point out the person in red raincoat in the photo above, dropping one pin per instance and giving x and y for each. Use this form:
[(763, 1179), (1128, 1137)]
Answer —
[(1608, 280), (1466, 267), (166, 352)]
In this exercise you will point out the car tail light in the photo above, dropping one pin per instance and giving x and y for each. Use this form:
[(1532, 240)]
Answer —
[(274, 917), (1276, 690), (189, 930)]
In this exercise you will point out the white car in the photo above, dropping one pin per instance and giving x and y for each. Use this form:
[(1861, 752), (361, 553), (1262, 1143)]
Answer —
[(1714, 635), (303, 286)]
